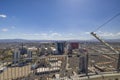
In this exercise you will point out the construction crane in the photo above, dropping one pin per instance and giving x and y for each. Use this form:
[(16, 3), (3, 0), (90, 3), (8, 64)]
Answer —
[(110, 47), (102, 41), (105, 43)]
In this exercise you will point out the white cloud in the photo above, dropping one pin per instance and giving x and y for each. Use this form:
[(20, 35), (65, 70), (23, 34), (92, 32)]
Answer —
[(118, 33), (36, 34), (87, 32), (27, 34), (55, 34), (4, 29), (109, 35), (50, 36), (67, 36), (3, 16), (71, 34), (44, 34)]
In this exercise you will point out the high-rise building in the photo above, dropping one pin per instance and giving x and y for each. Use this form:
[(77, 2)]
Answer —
[(60, 47), (83, 64), (16, 56), (74, 45), (29, 55)]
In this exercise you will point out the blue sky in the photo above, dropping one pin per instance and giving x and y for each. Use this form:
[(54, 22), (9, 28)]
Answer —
[(58, 19)]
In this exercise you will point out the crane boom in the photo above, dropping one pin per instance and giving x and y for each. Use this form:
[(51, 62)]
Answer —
[(106, 44), (110, 47)]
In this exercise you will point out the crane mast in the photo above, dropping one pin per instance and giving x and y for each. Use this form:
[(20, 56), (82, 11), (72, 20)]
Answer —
[(110, 47)]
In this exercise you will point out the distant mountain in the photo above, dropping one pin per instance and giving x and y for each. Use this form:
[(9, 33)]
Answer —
[(106, 40), (24, 40), (13, 40), (113, 40)]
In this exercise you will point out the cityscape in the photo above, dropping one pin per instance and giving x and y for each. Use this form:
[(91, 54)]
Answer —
[(63, 60), (59, 40)]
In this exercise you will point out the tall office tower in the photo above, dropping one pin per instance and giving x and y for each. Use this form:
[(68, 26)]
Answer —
[(29, 53), (83, 68), (60, 47), (16, 56)]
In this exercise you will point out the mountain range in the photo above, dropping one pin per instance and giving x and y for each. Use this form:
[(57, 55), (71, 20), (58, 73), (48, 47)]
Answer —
[(24, 40)]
